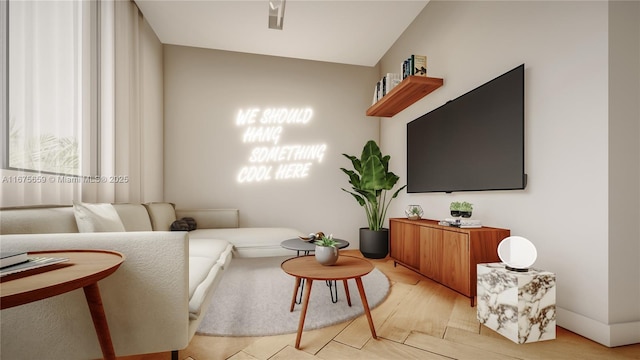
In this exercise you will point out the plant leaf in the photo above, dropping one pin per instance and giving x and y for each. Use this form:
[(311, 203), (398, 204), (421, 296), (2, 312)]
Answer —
[(354, 179), (373, 174), (355, 162), (359, 198)]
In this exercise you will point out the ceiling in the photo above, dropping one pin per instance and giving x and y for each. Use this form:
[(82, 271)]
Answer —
[(355, 32)]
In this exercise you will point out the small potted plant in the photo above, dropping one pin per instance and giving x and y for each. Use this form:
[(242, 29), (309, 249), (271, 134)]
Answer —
[(466, 209), (455, 207), (414, 212), (326, 250)]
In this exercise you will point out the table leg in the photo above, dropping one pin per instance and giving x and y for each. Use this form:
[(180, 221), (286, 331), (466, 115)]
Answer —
[(303, 313), (92, 293), (333, 290), (365, 305), (299, 299), (346, 291), (295, 293)]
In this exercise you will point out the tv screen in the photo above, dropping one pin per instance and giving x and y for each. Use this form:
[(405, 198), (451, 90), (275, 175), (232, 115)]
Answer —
[(474, 142)]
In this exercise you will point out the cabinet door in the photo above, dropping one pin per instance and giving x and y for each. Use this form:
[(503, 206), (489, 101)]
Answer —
[(404, 243), (431, 253), (455, 261)]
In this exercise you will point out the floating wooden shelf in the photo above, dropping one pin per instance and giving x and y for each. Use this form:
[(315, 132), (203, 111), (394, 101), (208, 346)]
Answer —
[(410, 90)]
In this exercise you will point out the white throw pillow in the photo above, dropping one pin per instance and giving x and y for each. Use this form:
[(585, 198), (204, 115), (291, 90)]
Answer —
[(97, 218), (162, 215)]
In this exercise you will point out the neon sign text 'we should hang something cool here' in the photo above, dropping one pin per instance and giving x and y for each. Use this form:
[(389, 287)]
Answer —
[(270, 159)]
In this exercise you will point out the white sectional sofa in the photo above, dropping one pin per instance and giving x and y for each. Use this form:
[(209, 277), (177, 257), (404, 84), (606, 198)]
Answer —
[(154, 302)]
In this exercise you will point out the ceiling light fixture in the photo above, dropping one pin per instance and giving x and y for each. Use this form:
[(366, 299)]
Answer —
[(276, 14)]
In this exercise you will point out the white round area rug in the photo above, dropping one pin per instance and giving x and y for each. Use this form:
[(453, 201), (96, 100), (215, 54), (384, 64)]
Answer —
[(254, 297)]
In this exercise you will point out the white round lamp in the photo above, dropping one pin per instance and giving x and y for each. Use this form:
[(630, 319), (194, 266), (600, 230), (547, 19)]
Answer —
[(517, 253)]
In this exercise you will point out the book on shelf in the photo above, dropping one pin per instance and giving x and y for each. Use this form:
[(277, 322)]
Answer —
[(406, 68), (385, 85), (378, 92), (33, 262), (414, 65), (8, 258), (392, 79), (419, 65), (375, 95)]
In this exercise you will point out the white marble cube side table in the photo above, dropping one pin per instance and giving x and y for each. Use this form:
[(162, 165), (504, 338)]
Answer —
[(518, 305)]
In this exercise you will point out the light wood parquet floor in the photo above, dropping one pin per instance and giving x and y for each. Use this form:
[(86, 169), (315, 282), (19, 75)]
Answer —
[(420, 319)]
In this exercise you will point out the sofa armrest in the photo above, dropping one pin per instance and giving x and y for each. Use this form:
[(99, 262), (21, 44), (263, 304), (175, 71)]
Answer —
[(212, 218), (145, 300)]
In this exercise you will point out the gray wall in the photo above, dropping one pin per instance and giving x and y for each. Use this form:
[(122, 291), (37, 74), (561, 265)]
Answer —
[(624, 168), (204, 148), (578, 129)]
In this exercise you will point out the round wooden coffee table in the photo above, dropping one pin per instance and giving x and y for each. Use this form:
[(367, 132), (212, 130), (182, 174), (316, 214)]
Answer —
[(305, 248), (83, 270), (347, 267)]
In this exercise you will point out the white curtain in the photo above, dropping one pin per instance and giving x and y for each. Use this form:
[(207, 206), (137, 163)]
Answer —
[(48, 78), (119, 123), (132, 117)]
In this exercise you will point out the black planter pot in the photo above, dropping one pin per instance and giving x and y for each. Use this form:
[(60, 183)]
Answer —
[(374, 244)]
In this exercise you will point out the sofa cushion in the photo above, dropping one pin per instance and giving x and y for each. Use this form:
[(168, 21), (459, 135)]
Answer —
[(204, 274), (162, 215), (250, 242), (218, 250), (97, 217), (134, 217), (38, 220), (207, 260)]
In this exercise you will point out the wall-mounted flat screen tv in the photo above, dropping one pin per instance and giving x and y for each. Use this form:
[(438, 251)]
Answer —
[(472, 143)]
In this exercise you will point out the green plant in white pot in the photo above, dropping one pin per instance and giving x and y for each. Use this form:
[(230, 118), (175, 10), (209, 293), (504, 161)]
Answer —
[(326, 251), (370, 181)]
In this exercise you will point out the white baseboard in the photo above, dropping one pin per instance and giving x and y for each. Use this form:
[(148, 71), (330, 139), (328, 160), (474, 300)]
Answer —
[(610, 335)]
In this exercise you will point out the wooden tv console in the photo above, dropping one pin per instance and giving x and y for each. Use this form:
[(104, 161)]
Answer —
[(445, 254)]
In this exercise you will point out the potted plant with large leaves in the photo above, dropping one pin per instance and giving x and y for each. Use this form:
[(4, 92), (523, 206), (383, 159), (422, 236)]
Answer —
[(370, 181)]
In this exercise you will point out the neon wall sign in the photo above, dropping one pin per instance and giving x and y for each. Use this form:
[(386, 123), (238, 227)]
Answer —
[(270, 158)]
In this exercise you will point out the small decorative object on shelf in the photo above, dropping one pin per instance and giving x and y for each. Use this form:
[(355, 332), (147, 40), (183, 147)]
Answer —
[(312, 237), (466, 209), (461, 209), (414, 212), (326, 250), (454, 208)]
